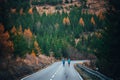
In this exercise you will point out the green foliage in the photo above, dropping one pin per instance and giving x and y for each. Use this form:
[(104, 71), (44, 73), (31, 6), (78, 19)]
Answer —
[(20, 46), (108, 48), (51, 33), (50, 2)]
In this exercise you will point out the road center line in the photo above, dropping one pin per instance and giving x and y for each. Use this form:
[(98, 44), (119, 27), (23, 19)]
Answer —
[(53, 76), (55, 72)]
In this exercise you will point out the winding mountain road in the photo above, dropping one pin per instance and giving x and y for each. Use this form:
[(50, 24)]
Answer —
[(56, 71)]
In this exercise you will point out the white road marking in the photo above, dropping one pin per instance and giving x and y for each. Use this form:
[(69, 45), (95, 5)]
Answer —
[(55, 72), (78, 74), (53, 76)]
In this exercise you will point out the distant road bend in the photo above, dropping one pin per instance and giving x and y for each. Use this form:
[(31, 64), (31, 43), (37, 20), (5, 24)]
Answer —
[(56, 71)]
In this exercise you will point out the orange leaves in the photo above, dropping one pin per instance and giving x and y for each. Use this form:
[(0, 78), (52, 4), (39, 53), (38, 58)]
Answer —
[(13, 10), (3, 35), (6, 35), (14, 31), (28, 36), (28, 33), (6, 46), (36, 44), (66, 21), (33, 54), (101, 16), (93, 21), (81, 22), (1, 28), (30, 11)]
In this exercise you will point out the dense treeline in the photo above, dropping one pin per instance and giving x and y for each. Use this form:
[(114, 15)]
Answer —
[(109, 46), (53, 32), (50, 2)]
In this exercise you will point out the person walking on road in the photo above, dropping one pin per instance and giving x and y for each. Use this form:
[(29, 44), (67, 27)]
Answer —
[(69, 62), (63, 61)]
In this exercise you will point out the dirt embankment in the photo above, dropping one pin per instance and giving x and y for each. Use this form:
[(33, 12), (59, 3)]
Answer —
[(18, 68)]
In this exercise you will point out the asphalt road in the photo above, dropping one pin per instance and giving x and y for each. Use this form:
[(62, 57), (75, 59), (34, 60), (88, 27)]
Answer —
[(56, 71)]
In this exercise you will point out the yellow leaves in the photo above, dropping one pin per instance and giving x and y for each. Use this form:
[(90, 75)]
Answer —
[(98, 34), (36, 44), (93, 21), (14, 31), (13, 10), (28, 33), (101, 16), (66, 21), (77, 41), (30, 11), (28, 36), (81, 22), (33, 54)]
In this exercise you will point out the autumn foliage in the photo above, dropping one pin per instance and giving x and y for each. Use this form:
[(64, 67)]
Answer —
[(81, 22), (36, 45), (33, 53), (101, 16), (28, 33), (93, 21), (28, 36), (6, 46), (13, 10), (30, 11), (66, 21), (13, 30)]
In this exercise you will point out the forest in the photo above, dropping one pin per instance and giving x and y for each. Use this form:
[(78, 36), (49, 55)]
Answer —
[(23, 30)]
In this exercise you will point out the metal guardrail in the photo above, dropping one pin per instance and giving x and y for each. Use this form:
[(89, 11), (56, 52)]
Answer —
[(95, 73)]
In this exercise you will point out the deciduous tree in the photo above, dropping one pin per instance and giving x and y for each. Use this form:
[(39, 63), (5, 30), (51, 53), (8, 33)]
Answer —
[(81, 22), (6, 46), (28, 36), (66, 21)]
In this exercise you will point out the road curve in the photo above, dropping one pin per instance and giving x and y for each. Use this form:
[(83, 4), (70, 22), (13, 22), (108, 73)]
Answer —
[(56, 71)]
